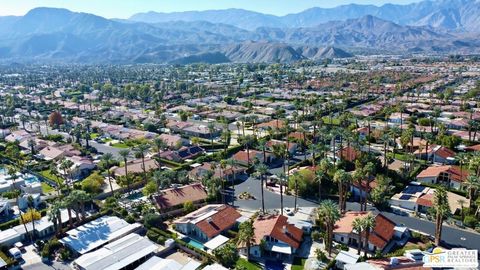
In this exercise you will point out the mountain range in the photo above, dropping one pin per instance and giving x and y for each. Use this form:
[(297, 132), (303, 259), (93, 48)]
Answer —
[(219, 36)]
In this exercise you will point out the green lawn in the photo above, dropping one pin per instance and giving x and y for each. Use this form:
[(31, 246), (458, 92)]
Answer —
[(298, 263), (120, 145), (47, 174), (248, 265), (93, 136), (335, 121), (46, 188)]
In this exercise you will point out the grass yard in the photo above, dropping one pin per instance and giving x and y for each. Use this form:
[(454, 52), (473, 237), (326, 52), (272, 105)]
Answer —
[(247, 265), (335, 121), (46, 188), (93, 136), (298, 263), (120, 145), (47, 174)]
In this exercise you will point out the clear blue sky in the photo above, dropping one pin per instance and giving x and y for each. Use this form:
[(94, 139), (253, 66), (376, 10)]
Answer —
[(125, 8)]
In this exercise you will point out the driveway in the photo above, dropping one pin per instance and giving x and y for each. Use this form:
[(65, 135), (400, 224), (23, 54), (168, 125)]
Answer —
[(34, 262)]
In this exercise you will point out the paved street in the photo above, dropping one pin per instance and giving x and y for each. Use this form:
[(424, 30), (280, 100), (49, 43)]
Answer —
[(452, 236)]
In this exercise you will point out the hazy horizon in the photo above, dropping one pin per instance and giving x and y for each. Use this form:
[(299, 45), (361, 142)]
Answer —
[(125, 9)]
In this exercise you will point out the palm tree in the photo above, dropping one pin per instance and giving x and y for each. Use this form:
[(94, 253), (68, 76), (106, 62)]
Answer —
[(329, 214), (55, 216), (440, 202), (211, 130), (461, 202), (281, 178), (232, 163), (369, 170), (68, 203), (357, 225), (32, 144), (107, 158), (472, 184), (66, 167), (262, 170), (343, 179), (246, 234), (320, 174), (141, 151), (32, 216), (368, 225), (125, 154), (80, 197), (159, 145), (358, 177)]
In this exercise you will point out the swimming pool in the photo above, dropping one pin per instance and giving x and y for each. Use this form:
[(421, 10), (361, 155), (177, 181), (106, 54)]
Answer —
[(194, 243), (30, 179)]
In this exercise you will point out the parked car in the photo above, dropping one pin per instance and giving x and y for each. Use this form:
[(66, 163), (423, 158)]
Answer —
[(15, 253)]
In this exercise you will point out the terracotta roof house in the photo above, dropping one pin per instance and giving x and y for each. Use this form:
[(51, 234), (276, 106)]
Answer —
[(282, 239), (173, 141), (208, 221), (348, 153), (449, 175), (136, 166), (292, 147), (51, 153), (273, 124), (473, 148), (381, 237), (172, 198), (228, 173), (436, 153), (244, 158)]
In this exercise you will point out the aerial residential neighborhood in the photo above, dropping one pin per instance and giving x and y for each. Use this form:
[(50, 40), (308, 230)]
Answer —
[(268, 153)]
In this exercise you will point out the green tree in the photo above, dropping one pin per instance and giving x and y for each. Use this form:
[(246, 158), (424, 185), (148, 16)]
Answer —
[(227, 255), (329, 213), (442, 209), (246, 235)]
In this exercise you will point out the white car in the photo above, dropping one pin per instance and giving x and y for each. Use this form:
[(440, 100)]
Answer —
[(15, 252)]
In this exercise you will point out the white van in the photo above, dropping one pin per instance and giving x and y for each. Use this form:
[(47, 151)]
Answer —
[(15, 252)]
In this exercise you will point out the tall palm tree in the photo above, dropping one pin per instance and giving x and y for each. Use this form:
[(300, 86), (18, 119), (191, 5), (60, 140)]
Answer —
[(232, 163), (343, 179), (320, 174), (369, 170), (125, 154), (281, 178), (107, 158), (141, 150), (329, 213), (54, 215), (31, 207), (357, 226), (368, 225), (67, 202), (358, 177), (440, 202), (262, 171), (472, 184), (246, 234)]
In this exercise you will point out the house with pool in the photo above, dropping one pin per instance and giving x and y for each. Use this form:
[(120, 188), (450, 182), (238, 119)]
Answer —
[(208, 222)]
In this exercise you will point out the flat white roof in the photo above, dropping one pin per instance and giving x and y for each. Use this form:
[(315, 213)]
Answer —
[(216, 242), (346, 257), (214, 266), (8, 235), (118, 254), (97, 233), (281, 248)]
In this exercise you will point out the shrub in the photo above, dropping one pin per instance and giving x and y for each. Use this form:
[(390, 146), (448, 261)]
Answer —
[(161, 240), (470, 221), (321, 255), (343, 247), (316, 235), (152, 220), (152, 235)]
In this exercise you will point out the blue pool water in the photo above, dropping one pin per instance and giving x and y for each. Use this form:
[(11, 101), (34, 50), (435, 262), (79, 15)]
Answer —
[(194, 243), (31, 179), (3, 171)]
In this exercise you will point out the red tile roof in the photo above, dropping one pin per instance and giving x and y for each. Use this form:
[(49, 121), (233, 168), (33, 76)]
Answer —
[(380, 235), (173, 197), (425, 200), (278, 228), (224, 219), (455, 173), (473, 148), (383, 231)]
